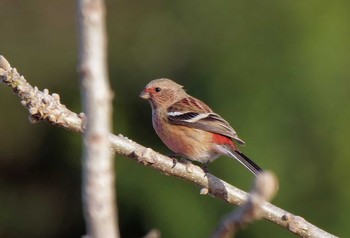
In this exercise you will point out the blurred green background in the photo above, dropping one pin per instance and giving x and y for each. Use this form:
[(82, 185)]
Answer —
[(278, 71)]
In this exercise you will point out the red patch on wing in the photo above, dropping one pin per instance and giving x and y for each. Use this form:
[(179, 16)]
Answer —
[(223, 140)]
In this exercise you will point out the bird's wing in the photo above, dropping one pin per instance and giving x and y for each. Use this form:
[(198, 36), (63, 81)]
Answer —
[(192, 112)]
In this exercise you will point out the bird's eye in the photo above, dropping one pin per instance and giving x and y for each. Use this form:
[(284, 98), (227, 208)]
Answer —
[(157, 89)]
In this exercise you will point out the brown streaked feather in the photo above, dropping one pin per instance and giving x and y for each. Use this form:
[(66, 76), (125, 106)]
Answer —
[(191, 108), (189, 104)]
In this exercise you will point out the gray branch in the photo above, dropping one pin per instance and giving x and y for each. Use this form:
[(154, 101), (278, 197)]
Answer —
[(265, 187), (98, 191), (56, 114)]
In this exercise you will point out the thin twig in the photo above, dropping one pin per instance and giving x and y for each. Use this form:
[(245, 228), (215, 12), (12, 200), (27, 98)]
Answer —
[(121, 145), (154, 233), (265, 187)]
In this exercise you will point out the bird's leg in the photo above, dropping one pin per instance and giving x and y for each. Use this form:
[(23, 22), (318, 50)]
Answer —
[(181, 159), (173, 156), (188, 164), (205, 167)]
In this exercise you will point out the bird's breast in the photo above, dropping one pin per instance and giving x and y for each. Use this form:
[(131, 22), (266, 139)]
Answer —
[(192, 143)]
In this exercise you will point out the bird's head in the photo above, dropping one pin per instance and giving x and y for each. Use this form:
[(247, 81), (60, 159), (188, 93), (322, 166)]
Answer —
[(162, 92)]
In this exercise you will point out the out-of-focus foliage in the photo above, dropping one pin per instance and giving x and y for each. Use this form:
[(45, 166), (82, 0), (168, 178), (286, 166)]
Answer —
[(278, 71)]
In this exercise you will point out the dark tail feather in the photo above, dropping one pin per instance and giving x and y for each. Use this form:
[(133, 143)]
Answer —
[(243, 159)]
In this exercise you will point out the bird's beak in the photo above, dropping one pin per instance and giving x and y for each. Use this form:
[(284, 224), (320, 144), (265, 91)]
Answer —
[(144, 94)]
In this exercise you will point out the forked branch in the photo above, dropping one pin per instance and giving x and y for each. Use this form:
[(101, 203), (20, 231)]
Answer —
[(43, 106)]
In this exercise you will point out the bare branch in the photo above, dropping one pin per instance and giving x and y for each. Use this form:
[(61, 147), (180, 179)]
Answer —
[(265, 187), (40, 104), (154, 233), (208, 183), (98, 169)]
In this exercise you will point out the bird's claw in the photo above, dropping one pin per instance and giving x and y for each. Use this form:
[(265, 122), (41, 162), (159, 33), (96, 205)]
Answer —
[(174, 162), (205, 168), (173, 156)]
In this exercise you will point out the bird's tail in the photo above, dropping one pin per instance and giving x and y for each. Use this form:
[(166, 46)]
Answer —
[(243, 159)]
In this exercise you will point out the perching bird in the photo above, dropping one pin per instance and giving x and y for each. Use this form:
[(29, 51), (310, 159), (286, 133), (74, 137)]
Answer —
[(189, 127)]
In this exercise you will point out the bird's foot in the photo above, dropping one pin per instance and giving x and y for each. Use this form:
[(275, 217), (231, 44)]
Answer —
[(205, 168), (174, 157), (182, 160)]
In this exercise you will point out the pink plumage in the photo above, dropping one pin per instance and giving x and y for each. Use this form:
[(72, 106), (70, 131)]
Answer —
[(189, 127)]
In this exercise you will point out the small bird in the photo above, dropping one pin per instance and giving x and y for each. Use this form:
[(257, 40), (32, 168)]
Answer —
[(188, 127)]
